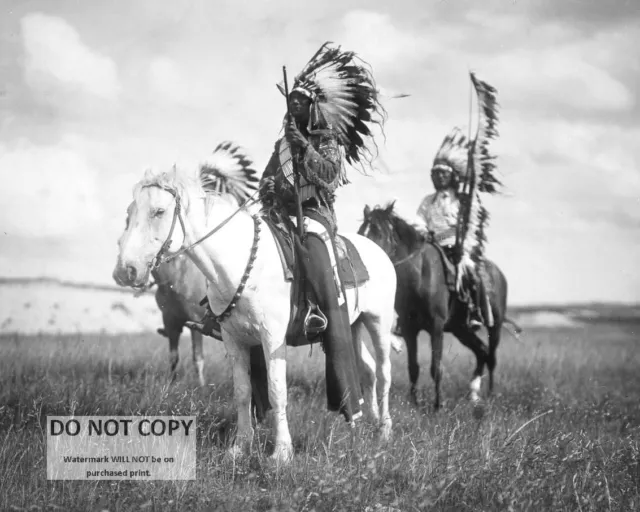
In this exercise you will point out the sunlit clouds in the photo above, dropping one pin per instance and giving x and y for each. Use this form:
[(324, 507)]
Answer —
[(91, 97)]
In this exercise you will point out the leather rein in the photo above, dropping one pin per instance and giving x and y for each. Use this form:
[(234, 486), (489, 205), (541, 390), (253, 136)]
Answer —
[(161, 257)]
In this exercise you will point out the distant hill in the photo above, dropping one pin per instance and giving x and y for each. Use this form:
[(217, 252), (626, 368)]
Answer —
[(50, 305), (46, 305)]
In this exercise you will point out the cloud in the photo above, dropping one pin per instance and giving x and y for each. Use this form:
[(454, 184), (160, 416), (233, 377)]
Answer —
[(56, 57), (558, 76), (378, 36), (47, 191)]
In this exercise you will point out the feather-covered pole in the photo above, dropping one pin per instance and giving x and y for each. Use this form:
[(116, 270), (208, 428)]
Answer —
[(480, 177)]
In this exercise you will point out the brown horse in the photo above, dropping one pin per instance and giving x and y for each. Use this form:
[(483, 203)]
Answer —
[(180, 286), (424, 301)]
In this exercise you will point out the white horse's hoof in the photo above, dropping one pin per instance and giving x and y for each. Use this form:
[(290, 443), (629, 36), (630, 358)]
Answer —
[(282, 454), (478, 410), (385, 430)]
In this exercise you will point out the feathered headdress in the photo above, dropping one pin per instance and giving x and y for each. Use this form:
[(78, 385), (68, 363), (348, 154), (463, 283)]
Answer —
[(479, 176), (453, 153), (344, 98), (229, 171)]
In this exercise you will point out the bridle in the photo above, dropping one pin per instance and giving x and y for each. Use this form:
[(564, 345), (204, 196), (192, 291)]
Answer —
[(408, 257), (161, 257)]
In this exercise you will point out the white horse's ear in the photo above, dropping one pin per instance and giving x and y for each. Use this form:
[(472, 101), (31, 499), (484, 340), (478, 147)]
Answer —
[(367, 211)]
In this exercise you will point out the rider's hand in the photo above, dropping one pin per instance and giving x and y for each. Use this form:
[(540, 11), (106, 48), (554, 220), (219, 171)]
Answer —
[(294, 137), (268, 187)]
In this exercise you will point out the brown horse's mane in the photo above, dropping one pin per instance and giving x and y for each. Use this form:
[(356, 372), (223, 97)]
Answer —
[(396, 229)]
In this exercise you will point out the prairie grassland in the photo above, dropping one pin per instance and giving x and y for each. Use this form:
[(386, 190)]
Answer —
[(583, 454)]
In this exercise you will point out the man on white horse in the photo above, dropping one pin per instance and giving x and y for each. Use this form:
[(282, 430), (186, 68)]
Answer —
[(330, 102)]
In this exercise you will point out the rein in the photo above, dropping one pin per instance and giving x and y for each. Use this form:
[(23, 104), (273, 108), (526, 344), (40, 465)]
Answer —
[(161, 258), (408, 257), (247, 271)]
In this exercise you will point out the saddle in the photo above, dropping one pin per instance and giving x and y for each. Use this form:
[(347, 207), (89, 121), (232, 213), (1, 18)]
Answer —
[(350, 269), (448, 267), (481, 293)]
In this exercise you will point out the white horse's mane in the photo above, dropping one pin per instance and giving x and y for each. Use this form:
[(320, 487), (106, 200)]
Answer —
[(186, 184)]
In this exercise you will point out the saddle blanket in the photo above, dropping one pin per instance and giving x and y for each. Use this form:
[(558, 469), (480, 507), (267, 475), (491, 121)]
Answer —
[(351, 269)]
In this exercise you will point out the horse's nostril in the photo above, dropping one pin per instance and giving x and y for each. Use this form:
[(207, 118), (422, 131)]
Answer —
[(131, 272)]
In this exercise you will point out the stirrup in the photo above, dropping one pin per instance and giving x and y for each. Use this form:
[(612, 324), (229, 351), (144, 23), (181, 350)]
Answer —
[(315, 322)]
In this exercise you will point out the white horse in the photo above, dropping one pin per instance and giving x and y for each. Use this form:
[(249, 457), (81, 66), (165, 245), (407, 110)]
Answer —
[(180, 286), (171, 211)]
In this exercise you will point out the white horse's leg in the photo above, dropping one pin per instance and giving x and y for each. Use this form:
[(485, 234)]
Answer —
[(379, 328), (276, 359), (198, 358), (242, 394), (367, 369)]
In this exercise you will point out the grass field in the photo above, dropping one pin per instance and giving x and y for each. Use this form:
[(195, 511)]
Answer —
[(583, 454)]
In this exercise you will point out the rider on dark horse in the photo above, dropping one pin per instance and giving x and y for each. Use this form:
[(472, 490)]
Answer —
[(330, 103), (438, 217)]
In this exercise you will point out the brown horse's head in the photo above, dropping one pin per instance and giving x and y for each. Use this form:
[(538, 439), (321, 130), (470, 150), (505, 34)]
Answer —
[(390, 231)]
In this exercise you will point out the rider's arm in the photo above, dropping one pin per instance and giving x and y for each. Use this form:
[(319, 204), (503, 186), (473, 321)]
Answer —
[(423, 214), (321, 166)]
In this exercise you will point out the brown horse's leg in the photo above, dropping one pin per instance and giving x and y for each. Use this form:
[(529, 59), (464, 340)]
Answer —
[(410, 335), (172, 330), (478, 347), (494, 341), (437, 337)]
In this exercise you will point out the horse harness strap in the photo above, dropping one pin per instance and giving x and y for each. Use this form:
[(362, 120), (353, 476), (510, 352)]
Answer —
[(409, 256), (247, 271), (160, 257)]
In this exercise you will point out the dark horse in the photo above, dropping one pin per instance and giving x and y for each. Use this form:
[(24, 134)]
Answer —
[(424, 301)]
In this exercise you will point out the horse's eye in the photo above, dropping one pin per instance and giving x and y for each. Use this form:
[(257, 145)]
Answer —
[(158, 213)]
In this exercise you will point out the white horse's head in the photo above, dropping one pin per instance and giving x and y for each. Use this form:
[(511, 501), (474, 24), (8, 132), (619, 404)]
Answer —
[(154, 223), (161, 202)]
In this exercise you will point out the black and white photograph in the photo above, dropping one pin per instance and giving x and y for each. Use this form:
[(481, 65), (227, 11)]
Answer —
[(259, 255)]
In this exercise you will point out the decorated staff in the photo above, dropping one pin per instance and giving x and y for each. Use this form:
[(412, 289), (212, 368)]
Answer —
[(454, 216)]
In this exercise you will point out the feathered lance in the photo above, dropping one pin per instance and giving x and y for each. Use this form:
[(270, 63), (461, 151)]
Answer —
[(294, 162), (480, 173)]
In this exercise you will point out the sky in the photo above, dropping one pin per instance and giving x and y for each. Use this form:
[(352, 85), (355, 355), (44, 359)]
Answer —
[(94, 93)]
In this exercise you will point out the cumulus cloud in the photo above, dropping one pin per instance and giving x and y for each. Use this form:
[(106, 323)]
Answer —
[(166, 79), (377, 36), (56, 57), (47, 191), (559, 76)]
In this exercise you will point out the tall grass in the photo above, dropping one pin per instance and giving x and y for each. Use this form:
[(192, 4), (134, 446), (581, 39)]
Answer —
[(561, 433)]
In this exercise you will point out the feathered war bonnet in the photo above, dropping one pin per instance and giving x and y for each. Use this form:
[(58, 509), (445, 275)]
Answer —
[(228, 170), (344, 99), (453, 154)]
